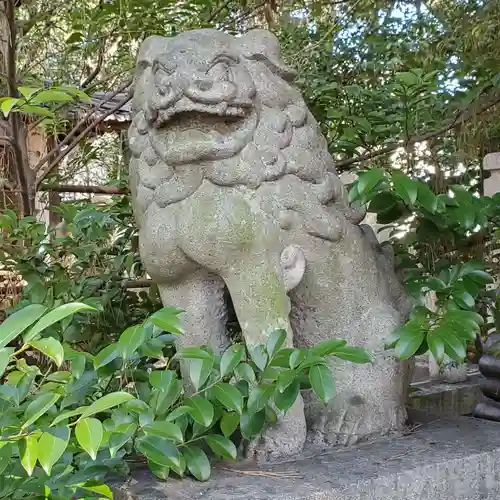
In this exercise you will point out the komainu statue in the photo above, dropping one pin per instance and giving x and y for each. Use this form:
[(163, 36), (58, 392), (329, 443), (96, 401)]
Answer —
[(233, 186)]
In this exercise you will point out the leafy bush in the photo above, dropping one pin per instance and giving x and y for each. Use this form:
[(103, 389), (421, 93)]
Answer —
[(64, 427), (433, 236), (86, 258)]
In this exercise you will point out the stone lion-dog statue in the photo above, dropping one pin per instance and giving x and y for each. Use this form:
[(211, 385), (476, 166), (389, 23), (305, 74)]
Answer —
[(233, 186)]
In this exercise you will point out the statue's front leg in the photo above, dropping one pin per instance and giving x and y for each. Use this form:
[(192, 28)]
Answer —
[(226, 235)]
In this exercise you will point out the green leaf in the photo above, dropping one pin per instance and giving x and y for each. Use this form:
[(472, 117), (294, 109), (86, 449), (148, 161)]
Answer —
[(39, 407), (406, 188), (51, 95), (436, 346), (164, 399), (57, 314), (231, 358), (222, 446), (159, 450), (297, 356), (285, 379), (229, 423), (68, 414), (106, 356), (5, 354), (162, 379), (199, 371), (464, 299), (131, 339), (197, 463), (259, 397), (275, 341), (327, 348), (453, 346), (28, 453), (15, 324), (427, 198), (121, 435), (168, 320), (6, 450), (322, 382), (412, 336), (165, 429), (284, 400), (51, 348), (481, 277), (259, 356), (195, 353), (229, 396), (245, 372), (51, 446), (352, 354), (97, 487), (251, 424), (369, 180), (7, 103), (201, 410), (407, 78), (106, 402), (160, 471), (178, 412), (89, 433)]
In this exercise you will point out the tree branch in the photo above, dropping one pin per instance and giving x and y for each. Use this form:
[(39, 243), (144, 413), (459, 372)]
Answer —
[(461, 117), (42, 173), (81, 122), (93, 75), (75, 188)]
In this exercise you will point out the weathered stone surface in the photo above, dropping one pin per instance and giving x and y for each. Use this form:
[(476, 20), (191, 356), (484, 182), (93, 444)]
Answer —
[(453, 460), (430, 401), (233, 186)]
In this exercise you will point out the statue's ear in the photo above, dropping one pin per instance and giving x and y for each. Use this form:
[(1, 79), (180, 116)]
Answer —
[(149, 50), (262, 45)]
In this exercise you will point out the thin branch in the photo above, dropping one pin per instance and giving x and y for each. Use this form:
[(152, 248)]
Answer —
[(461, 117), (217, 11), (14, 120), (97, 69), (44, 172), (80, 123), (75, 188)]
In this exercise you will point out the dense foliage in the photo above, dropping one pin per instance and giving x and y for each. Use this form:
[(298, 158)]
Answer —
[(72, 418)]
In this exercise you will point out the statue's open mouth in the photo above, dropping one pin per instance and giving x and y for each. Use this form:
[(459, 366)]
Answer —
[(189, 132)]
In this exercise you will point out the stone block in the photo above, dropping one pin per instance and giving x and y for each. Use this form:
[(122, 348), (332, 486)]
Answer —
[(433, 400), (447, 460)]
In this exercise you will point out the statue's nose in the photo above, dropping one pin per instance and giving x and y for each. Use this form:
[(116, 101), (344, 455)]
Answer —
[(208, 90)]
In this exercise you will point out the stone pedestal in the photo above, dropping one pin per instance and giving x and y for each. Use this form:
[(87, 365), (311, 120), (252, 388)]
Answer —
[(457, 460), (491, 165)]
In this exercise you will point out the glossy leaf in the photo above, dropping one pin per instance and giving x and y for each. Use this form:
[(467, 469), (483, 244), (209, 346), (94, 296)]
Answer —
[(51, 447), (131, 339), (259, 397), (201, 410), (352, 354), (436, 346), (5, 354), (39, 407), (259, 356), (168, 320), (284, 400), (275, 341), (89, 433), (54, 316), (231, 358), (107, 402), (229, 423), (222, 446), (106, 356), (327, 348), (322, 382), (16, 323), (51, 347), (251, 424), (159, 450), (229, 396), (245, 372), (412, 336), (406, 188), (197, 463), (165, 429), (28, 453), (199, 371), (121, 435)]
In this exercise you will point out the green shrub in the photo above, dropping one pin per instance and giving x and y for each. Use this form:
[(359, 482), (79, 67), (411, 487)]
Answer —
[(64, 427)]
